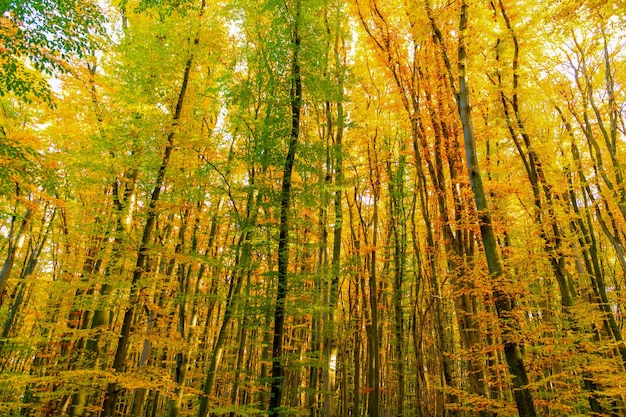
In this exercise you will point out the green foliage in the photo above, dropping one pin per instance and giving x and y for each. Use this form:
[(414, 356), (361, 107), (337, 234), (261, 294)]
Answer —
[(41, 37), (410, 286), (17, 164), (24, 164), (163, 7)]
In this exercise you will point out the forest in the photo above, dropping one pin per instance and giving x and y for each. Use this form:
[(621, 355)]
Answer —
[(340, 208)]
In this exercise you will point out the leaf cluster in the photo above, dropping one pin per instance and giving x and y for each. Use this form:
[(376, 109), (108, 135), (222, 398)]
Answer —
[(41, 37)]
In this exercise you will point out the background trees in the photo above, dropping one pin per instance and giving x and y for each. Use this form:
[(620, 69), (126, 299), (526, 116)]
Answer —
[(312, 208)]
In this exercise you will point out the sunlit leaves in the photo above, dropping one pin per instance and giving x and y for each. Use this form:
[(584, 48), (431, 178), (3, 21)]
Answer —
[(39, 38), (96, 156)]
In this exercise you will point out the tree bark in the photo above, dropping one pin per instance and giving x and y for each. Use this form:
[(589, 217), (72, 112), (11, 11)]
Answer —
[(278, 371), (521, 392)]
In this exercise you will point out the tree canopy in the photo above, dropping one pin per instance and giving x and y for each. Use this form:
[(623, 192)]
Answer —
[(320, 207)]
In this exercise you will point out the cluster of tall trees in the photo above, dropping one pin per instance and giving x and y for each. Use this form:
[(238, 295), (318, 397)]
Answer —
[(312, 207)]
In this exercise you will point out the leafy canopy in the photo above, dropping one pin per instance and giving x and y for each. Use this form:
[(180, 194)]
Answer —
[(40, 37)]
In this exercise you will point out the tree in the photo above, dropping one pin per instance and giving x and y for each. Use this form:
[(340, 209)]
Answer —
[(312, 208)]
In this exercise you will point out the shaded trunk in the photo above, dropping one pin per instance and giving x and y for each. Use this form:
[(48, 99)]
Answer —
[(14, 247), (121, 354), (240, 271), (330, 353), (503, 302), (278, 371)]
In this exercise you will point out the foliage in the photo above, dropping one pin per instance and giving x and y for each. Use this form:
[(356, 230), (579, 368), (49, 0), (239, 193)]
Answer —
[(253, 207), (41, 37)]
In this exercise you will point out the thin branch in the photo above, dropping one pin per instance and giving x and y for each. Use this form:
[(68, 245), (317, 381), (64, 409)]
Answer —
[(228, 187)]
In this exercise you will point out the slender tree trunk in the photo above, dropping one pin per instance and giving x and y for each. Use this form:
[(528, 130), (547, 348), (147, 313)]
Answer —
[(30, 263), (398, 234), (235, 398), (521, 392), (358, 320), (240, 270), (372, 325), (121, 354), (14, 247), (337, 155), (278, 371)]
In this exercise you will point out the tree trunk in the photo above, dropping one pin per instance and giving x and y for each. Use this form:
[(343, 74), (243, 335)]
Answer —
[(278, 371), (503, 302), (14, 247), (119, 363)]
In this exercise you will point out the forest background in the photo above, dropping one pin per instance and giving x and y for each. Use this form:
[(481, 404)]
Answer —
[(312, 207)]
